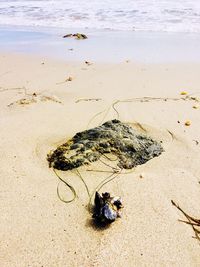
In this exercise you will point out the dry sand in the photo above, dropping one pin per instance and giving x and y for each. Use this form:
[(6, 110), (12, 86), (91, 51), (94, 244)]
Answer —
[(36, 228)]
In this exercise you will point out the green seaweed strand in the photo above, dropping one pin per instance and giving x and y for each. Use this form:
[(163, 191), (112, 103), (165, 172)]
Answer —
[(81, 177), (66, 184)]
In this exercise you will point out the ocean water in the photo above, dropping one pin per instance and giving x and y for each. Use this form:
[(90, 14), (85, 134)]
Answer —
[(127, 15)]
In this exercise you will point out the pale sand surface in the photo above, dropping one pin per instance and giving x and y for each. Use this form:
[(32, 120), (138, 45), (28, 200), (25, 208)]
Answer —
[(36, 228)]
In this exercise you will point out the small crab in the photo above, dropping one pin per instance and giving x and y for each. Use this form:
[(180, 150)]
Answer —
[(106, 208)]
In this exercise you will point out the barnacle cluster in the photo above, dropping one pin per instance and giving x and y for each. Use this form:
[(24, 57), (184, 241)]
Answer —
[(106, 208)]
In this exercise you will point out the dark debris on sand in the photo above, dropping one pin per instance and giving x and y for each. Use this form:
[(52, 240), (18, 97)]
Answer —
[(79, 36), (130, 147)]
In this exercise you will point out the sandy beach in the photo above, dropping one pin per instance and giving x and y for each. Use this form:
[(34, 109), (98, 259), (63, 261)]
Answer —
[(42, 108)]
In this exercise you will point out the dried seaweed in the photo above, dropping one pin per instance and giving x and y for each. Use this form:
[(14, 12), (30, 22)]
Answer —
[(79, 36), (145, 99), (34, 98), (150, 99), (87, 99), (29, 98), (2, 74), (18, 89), (195, 223), (69, 79)]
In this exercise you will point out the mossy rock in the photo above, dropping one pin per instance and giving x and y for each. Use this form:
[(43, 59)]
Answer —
[(128, 144)]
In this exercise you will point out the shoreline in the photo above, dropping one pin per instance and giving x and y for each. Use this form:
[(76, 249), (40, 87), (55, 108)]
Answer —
[(102, 46)]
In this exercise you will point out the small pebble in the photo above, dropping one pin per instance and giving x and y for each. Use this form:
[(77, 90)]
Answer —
[(196, 106), (88, 63), (69, 79), (183, 93), (187, 123)]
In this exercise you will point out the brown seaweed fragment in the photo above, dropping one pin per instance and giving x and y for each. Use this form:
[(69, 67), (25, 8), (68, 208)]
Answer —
[(88, 63), (34, 98), (128, 145), (195, 223), (77, 35), (87, 99)]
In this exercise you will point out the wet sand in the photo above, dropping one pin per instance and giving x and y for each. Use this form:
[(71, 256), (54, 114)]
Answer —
[(105, 46)]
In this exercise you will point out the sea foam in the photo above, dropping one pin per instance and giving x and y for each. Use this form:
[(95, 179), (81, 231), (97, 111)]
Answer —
[(138, 15)]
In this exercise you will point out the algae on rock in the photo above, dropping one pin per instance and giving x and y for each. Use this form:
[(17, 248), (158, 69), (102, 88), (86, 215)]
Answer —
[(129, 146)]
